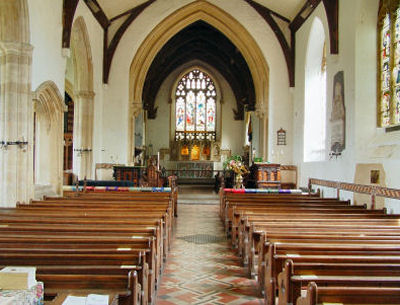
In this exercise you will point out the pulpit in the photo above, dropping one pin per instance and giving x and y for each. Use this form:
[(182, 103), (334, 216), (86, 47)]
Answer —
[(266, 175)]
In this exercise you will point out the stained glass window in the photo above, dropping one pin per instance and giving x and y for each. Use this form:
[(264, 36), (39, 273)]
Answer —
[(195, 105), (389, 64)]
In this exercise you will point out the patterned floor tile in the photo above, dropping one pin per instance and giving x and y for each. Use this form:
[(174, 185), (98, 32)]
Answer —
[(201, 268)]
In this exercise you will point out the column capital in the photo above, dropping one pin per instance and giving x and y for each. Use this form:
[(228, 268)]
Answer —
[(84, 94), (16, 48), (136, 109), (260, 112)]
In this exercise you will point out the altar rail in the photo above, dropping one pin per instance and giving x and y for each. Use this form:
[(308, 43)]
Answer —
[(372, 190)]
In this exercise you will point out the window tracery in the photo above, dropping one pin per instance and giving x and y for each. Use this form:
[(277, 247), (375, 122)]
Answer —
[(195, 107), (389, 63)]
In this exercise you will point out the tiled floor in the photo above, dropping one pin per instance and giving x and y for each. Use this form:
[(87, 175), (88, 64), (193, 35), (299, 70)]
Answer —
[(201, 267)]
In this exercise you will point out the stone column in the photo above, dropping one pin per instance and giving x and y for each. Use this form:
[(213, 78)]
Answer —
[(263, 136), (83, 134), (136, 108), (16, 123)]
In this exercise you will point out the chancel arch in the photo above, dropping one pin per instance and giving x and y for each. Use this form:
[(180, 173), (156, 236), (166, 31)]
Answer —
[(84, 99), (176, 22), (49, 116)]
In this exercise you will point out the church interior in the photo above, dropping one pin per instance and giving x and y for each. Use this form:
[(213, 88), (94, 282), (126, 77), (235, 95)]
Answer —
[(267, 126)]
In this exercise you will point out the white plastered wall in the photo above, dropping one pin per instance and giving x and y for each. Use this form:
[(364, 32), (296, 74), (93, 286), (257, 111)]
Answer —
[(229, 131), (357, 58), (48, 63), (117, 94), (341, 168)]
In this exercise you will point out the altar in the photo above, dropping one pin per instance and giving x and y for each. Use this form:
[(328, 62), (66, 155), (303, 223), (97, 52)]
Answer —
[(195, 171)]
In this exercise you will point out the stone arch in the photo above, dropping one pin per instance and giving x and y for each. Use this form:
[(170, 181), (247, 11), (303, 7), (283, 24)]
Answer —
[(229, 26), (83, 100), (216, 17), (14, 21), (82, 56), (49, 108)]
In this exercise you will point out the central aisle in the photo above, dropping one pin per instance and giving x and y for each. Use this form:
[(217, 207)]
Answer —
[(201, 267)]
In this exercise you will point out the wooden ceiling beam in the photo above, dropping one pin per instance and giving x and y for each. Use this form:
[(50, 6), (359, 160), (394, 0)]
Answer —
[(69, 8), (110, 50), (332, 13), (98, 13), (266, 14)]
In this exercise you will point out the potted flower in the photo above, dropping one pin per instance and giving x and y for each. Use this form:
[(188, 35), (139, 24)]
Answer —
[(236, 164)]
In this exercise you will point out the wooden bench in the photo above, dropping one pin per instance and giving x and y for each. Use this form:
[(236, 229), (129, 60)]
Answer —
[(88, 236), (251, 197), (131, 271), (290, 281), (279, 252), (252, 234), (249, 215), (349, 295)]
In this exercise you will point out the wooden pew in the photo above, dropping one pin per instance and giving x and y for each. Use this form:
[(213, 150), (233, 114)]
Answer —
[(232, 207), (95, 222), (128, 195), (228, 197), (290, 283), (148, 245), (282, 251), (87, 276), (99, 215), (252, 235), (246, 220), (319, 234), (349, 295)]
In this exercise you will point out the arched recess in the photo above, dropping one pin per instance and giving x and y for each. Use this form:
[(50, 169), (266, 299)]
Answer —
[(225, 23), (83, 99), (315, 94), (49, 109)]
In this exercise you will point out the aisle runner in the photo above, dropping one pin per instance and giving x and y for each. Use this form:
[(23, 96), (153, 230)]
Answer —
[(201, 267)]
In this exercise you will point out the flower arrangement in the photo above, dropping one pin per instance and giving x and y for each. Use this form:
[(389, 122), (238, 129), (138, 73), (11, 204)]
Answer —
[(235, 164)]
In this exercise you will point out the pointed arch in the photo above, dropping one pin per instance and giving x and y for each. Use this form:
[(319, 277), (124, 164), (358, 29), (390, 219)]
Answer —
[(315, 94), (14, 21), (82, 56), (225, 23), (49, 109), (84, 100), (50, 98)]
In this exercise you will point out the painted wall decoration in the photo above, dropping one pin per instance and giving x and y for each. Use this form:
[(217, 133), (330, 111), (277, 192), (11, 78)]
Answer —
[(338, 115)]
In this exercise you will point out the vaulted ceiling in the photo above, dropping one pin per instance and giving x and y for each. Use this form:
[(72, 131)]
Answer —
[(286, 8), (201, 41)]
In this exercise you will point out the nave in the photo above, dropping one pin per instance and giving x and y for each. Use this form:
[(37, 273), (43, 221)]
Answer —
[(128, 244), (202, 268)]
